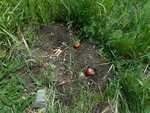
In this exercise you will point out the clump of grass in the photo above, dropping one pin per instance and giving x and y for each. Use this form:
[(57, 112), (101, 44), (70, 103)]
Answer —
[(11, 99), (19, 14), (79, 13), (96, 19), (101, 21), (131, 91)]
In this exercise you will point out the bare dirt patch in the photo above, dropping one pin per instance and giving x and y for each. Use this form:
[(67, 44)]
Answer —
[(69, 67)]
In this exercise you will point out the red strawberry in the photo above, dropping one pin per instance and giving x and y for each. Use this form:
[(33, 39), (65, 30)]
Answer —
[(89, 71), (76, 44)]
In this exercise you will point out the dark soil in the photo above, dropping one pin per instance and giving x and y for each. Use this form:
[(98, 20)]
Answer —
[(104, 107), (69, 66)]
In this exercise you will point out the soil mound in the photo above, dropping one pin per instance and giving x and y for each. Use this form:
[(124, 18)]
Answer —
[(67, 69)]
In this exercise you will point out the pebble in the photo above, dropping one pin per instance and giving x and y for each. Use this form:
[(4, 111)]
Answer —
[(40, 101)]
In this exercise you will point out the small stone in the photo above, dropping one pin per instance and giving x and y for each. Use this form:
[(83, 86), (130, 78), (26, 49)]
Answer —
[(40, 101), (52, 34), (64, 60)]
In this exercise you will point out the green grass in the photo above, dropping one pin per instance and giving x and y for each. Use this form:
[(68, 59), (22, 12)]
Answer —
[(131, 91), (82, 103), (120, 27)]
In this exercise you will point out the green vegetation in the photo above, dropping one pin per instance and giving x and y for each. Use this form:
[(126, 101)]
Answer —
[(120, 27)]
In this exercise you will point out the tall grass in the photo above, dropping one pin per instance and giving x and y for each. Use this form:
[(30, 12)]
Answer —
[(121, 26), (131, 92), (15, 15)]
